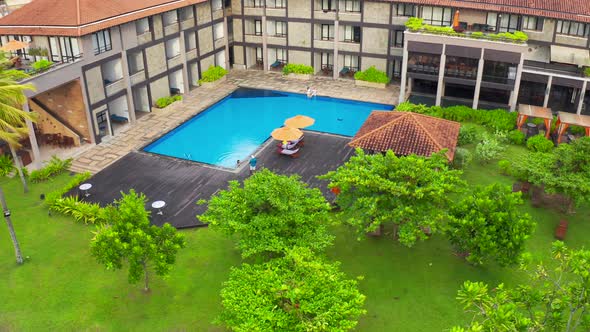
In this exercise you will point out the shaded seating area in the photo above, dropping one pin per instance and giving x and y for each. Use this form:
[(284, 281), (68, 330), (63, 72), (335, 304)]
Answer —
[(278, 65), (347, 72), (407, 133), (564, 120), (525, 111)]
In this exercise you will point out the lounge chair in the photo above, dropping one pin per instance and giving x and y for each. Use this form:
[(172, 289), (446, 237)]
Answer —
[(276, 64), (118, 118), (344, 71), (287, 152)]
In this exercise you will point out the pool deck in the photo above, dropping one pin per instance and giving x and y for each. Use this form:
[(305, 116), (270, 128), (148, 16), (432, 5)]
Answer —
[(182, 183)]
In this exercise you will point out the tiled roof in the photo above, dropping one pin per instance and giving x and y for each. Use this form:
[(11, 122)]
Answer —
[(407, 133), (574, 10), (60, 17)]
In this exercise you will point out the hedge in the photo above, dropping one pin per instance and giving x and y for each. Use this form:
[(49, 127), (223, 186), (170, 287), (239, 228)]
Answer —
[(165, 101), (372, 75), (212, 74), (295, 68)]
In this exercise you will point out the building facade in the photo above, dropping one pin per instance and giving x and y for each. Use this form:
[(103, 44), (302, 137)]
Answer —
[(112, 61)]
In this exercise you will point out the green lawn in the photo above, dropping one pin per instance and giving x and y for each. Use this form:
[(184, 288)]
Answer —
[(60, 287)]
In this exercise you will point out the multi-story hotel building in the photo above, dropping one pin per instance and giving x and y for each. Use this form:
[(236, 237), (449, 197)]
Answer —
[(114, 59)]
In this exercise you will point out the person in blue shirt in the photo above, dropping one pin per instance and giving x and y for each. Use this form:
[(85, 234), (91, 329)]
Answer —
[(253, 162)]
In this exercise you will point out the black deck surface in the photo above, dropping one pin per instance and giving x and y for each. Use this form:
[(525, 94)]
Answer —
[(182, 183)]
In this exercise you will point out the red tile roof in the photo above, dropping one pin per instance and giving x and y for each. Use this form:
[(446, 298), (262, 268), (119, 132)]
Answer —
[(407, 133)]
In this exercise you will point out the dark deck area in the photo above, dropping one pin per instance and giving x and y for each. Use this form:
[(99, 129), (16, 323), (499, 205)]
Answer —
[(182, 183)]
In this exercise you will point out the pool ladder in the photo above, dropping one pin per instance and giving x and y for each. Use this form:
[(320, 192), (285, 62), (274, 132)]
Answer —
[(188, 156)]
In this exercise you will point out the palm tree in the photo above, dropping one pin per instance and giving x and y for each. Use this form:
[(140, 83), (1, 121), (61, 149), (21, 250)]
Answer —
[(13, 119)]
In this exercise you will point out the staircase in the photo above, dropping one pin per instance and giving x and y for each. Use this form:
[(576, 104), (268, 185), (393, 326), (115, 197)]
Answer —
[(36, 104)]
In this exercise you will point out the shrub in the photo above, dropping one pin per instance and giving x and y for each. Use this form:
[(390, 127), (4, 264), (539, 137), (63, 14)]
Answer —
[(587, 71), (577, 130), (477, 35), (505, 166), (414, 23), (295, 68), (539, 143), (53, 196), (16, 75), (212, 74), (372, 75), (463, 158), (488, 149), (6, 165), (516, 137), (54, 167), (468, 134), (41, 65), (165, 101)]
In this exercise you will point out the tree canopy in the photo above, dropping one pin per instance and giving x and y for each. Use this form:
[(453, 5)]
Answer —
[(297, 292), (130, 238), (270, 213), (413, 192), (555, 298), (488, 224)]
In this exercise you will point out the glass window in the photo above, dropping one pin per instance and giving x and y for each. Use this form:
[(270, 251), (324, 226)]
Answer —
[(258, 27), (398, 38), (101, 42), (281, 56), (492, 21), (328, 5), (218, 31), (327, 60), (327, 32), (190, 40), (142, 26), (508, 23), (532, 23), (280, 29), (352, 62), (404, 9), (438, 16), (352, 34), (280, 3), (186, 13), (169, 18), (216, 4), (352, 6), (259, 57), (570, 28)]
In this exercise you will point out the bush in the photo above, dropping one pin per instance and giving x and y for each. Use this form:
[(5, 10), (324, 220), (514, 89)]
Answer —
[(539, 143), (577, 130), (16, 75), (488, 149), (372, 75), (53, 196), (505, 166), (165, 101), (41, 65), (294, 68), (463, 158), (212, 74), (6, 165), (516, 137), (468, 134), (54, 167), (587, 71)]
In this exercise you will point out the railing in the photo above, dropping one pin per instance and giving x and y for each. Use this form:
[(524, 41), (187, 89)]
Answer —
[(431, 69)]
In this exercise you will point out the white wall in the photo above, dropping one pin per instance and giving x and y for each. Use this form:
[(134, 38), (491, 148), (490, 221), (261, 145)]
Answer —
[(172, 47)]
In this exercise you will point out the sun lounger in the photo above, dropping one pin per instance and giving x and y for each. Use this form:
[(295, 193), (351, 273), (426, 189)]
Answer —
[(118, 118), (275, 64), (290, 153), (344, 71)]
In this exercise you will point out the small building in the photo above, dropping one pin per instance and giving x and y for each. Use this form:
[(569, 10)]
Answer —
[(407, 133)]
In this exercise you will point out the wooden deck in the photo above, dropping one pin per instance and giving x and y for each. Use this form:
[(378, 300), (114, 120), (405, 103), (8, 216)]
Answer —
[(182, 183)]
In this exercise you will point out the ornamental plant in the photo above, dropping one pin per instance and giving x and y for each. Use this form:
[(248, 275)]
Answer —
[(516, 137), (587, 71), (488, 149), (41, 65), (165, 101), (539, 143), (372, 75), (212, 74), (54, 167), (295, 68)]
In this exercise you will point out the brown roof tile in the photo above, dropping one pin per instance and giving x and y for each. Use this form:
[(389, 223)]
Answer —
[(407, 133)]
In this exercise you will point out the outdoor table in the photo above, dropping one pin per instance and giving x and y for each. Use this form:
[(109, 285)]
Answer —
[(524, 111), (159, 205), (565, 119), (85, 187)]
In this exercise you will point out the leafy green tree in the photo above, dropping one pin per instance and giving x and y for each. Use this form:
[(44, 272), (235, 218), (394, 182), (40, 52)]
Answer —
[(131, 238), (556, 297), (296, 292), (487, 224), (270, 213), (412, 192)]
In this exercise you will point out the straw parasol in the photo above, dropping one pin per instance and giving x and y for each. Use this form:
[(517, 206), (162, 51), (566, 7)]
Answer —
[(14, 45), (286, 134), (456, 20), (299, 121)]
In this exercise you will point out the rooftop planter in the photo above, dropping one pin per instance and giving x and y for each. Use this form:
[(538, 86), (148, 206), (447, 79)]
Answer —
[(372, 78), (415, 24), (212, 76), (298, 71)]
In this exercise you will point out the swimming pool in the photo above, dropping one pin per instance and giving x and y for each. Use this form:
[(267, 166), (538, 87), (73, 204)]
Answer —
[(236, 126)]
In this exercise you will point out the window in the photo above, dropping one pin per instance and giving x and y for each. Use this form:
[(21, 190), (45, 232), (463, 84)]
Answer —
[(216, 4), (280, 29), (404, 9), (259, 57), (436, 15), (258, 27), (352, 62), (186, 13), (255, 3), (352, 34), (281, 57), (190, 41), (532, 23), (397, 68), (492, 21), (172, 48), (280, 4), (218, 31), (101, 41), (328, 5), (352, 6), (398, 38), (169, 18), (327, 32), (327, 60), (142, 26), (572, 28), (508, 23), (135, 61)]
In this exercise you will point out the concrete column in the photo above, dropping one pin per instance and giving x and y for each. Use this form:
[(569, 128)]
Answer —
[(185, 78), (410, 85), (582, 95), (264, 44), (514, 99), (226, 34), (33, 139), (548, 91), (478, 81), (127, 80), (441, 76), (404, 74), (88, 110), (336, 65)]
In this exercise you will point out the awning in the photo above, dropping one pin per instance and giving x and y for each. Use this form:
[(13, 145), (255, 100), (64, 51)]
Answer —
[(574, 56)]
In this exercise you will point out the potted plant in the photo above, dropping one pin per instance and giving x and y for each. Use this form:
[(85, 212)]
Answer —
[(372, 78)]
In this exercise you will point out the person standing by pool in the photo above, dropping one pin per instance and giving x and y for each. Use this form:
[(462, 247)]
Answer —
[(253, 162)]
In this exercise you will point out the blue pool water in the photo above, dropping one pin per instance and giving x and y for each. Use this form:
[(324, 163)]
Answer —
[(236, 126)]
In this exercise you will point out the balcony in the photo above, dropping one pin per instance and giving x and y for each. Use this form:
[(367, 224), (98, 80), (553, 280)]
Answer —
[(188, 23), (191, 54), (349, 16), (253, 11), (276, 12), (114, 87), (137, 77), (325, 14), (253, 39), (171, 29), (145, 37), (174, 61)]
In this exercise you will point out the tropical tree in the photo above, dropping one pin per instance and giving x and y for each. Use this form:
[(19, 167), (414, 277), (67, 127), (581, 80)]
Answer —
[(270, 213), (131, 238), (555, 298), (487, 224), (6, 212), (296, 292), (413, 192)]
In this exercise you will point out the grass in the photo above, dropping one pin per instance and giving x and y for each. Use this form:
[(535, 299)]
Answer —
[(60, 287)]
